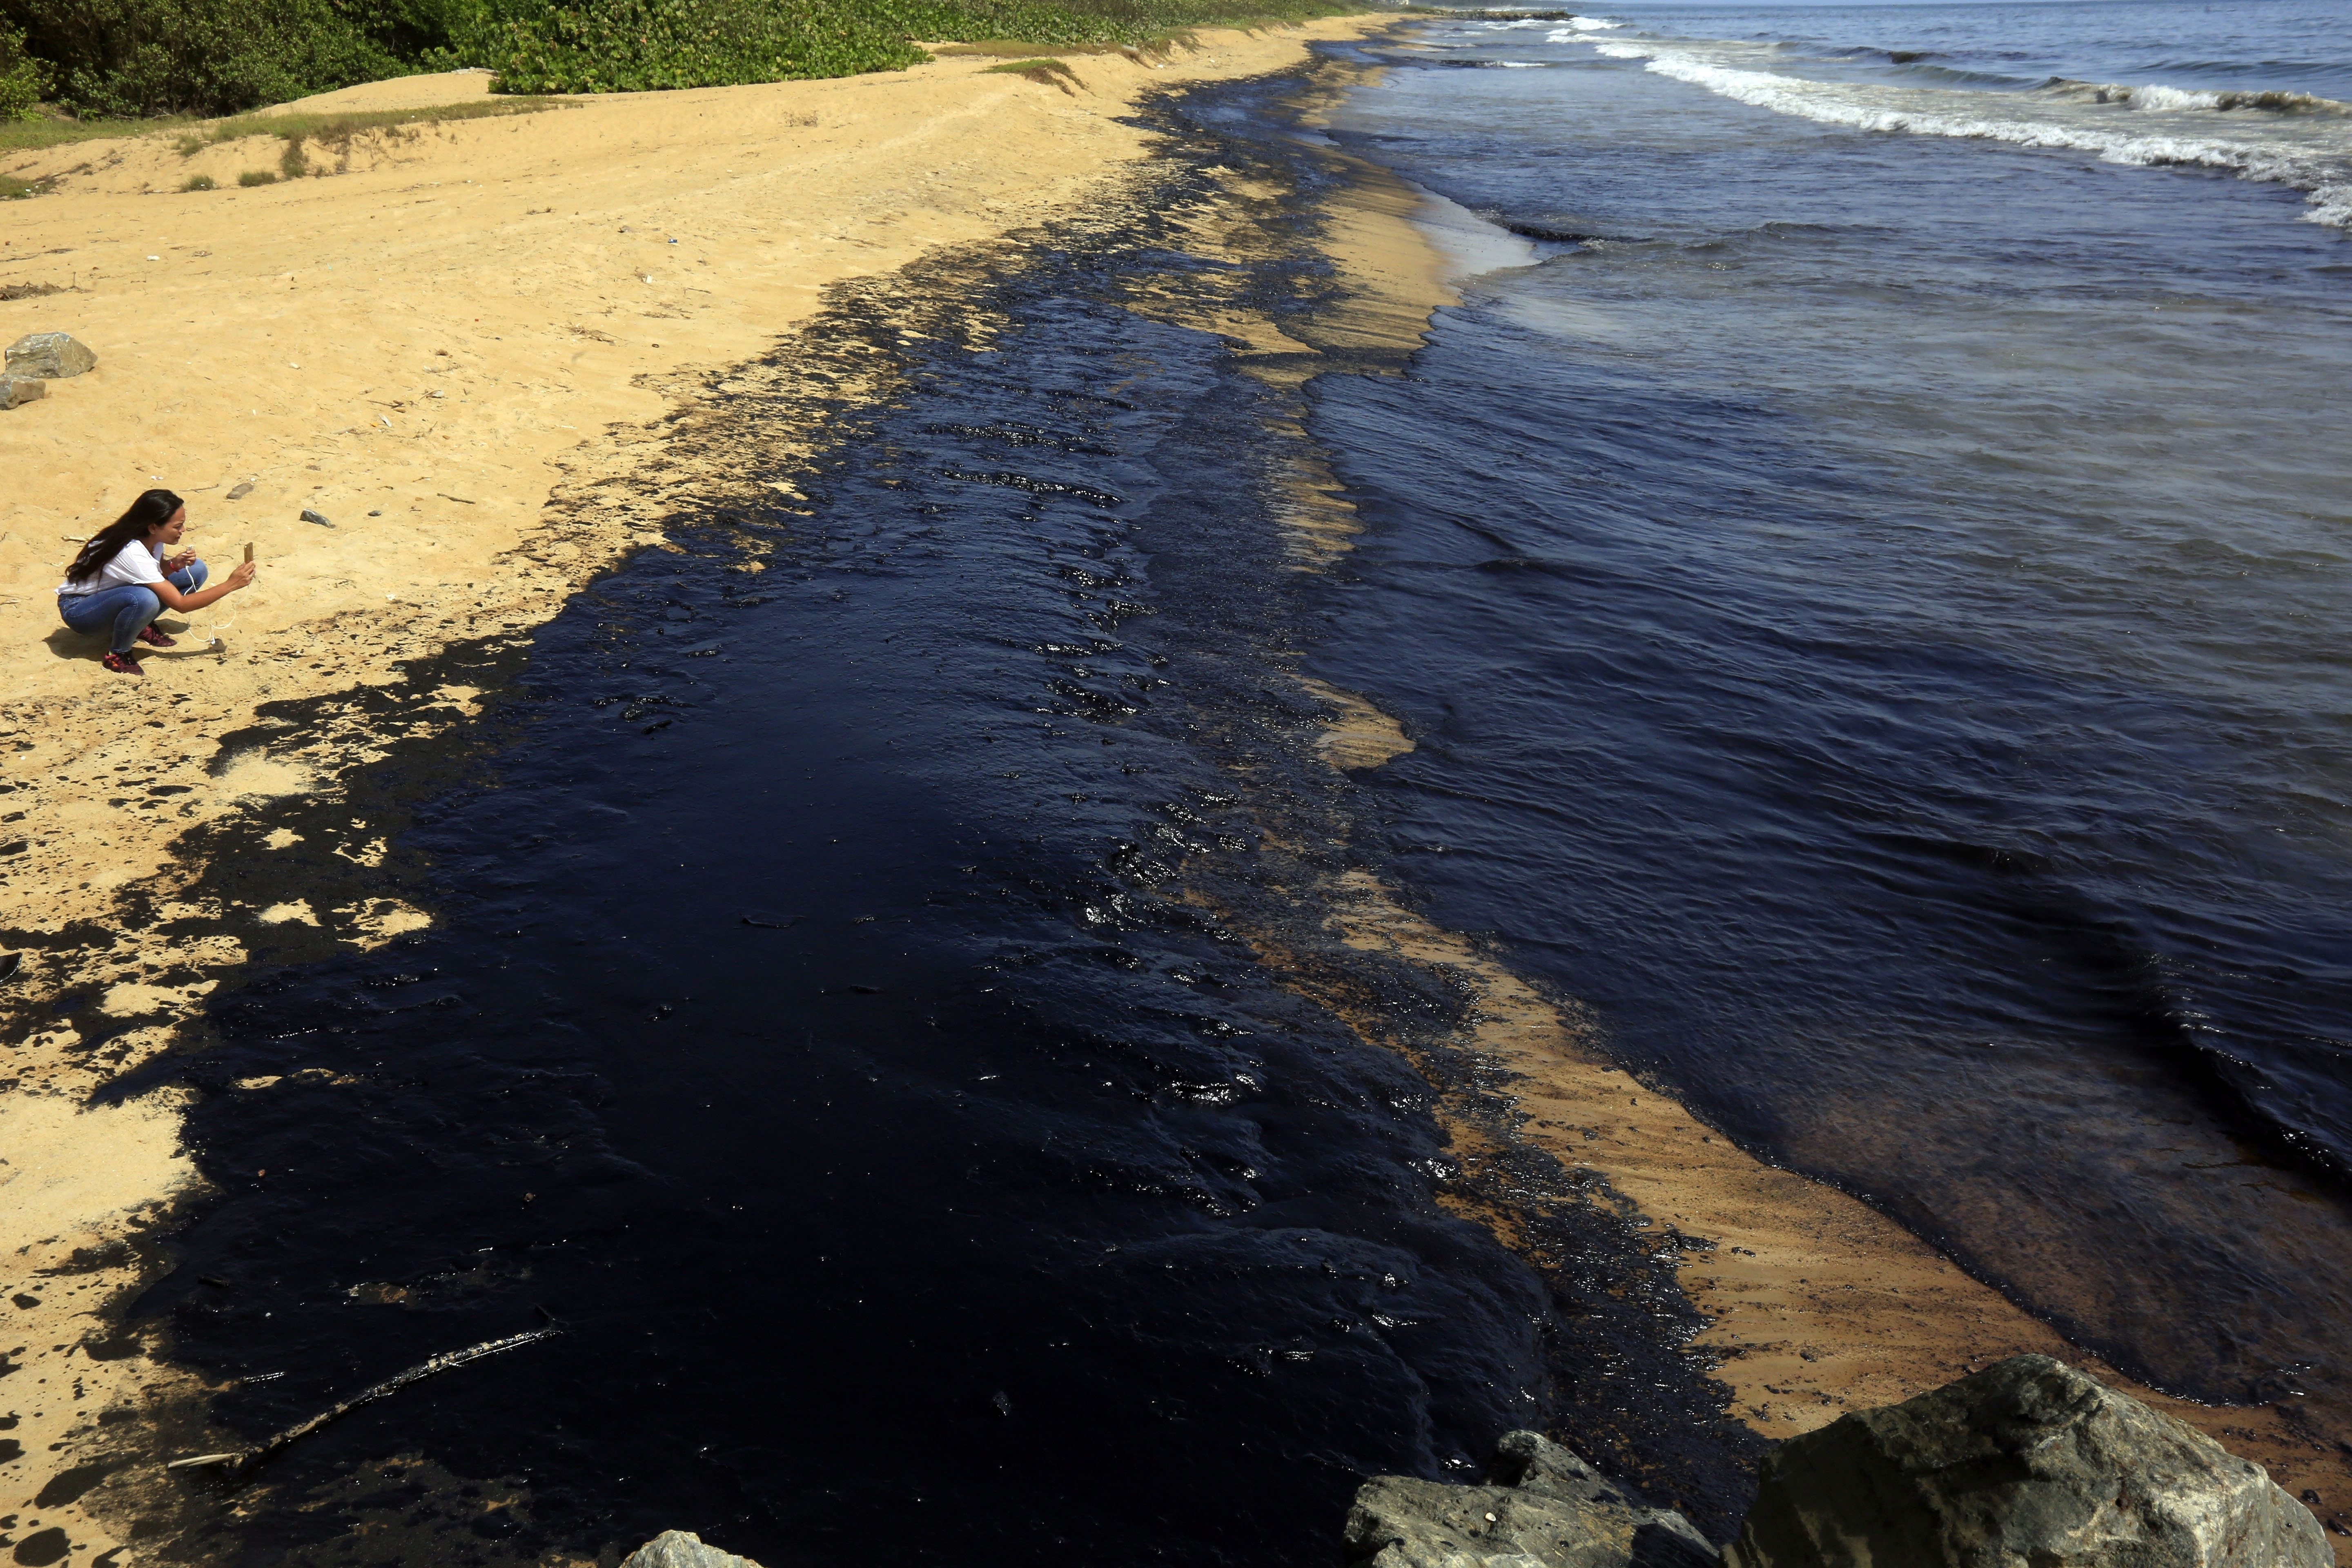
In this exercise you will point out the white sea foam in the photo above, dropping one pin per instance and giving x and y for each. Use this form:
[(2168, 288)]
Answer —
[(1522, 64), (1469, 243), (2330, 205), (2321, 167), (2157, 96)]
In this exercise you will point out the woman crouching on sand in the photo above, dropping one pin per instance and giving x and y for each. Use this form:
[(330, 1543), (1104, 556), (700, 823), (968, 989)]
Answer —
[(122, 580)]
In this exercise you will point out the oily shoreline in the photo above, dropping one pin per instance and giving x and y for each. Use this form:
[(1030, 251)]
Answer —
[(1143, 246), (1550, 1058), (459, 367)]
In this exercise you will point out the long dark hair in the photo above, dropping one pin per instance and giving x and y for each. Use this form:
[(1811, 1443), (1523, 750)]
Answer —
[(153, 509)]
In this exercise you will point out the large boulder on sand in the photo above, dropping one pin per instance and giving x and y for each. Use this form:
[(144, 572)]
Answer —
[(1547, 1509), (49, 355), (2027, 1464), (15, 390), (682, 1549)]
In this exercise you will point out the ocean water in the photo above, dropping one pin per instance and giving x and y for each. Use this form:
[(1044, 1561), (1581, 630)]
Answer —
[(1872, 593)]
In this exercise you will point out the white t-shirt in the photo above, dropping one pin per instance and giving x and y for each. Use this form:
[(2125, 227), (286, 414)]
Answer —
[(135, 564)]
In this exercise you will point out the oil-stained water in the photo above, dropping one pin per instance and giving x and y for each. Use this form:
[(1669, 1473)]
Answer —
[(845, 1018)]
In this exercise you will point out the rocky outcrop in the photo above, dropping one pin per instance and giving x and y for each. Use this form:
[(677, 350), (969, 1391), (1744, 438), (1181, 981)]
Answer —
[(16, 390), (1545, 1508), (2025, 1463), (49, 355), (682, 1549)]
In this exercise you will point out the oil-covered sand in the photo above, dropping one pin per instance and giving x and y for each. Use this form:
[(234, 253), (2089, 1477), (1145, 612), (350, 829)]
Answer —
[(889, 972)]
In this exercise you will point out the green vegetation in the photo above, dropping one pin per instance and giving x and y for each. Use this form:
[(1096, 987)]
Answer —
[(605, 46), (126, 58), (336, 128), (631, 45), (32, 136), (200, 183), (20, 78), (140, 58), (333, 133), (1049, 72)]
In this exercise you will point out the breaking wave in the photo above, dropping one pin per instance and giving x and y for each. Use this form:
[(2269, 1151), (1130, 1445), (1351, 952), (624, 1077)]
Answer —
[(2157, 96), (2319, 167), (1575, 28)]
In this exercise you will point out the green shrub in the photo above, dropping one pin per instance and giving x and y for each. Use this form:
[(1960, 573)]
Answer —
[(199, 182), (627, 46), (633, 46), (256, 178), (20, 78), (147, 58), (1077, 22), (201, 56)]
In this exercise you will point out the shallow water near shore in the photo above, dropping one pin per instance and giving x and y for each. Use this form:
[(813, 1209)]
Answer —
[(1877, 628), (836, 1024)]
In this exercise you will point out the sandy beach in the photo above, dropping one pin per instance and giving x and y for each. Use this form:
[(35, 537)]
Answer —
[(455, 323)]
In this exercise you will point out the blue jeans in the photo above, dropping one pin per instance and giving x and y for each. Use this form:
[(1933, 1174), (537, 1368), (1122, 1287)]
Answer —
[(125, 609)]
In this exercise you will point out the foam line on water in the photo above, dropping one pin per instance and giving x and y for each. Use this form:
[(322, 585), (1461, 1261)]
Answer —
[(2323, 174), (2157, 96), (1470, 244)]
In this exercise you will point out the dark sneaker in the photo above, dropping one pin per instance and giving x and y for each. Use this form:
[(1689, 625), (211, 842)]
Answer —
[(154, 638), (121, 664)]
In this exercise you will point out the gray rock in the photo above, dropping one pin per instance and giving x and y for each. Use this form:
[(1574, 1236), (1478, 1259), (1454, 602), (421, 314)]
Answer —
[(682, 1549), (242, 490), (2028, 1462), (49, 355), (15, 390), (318, 517), (1547, 1509)]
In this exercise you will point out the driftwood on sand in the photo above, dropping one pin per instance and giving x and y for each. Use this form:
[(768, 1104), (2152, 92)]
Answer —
[(242, 1459)]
